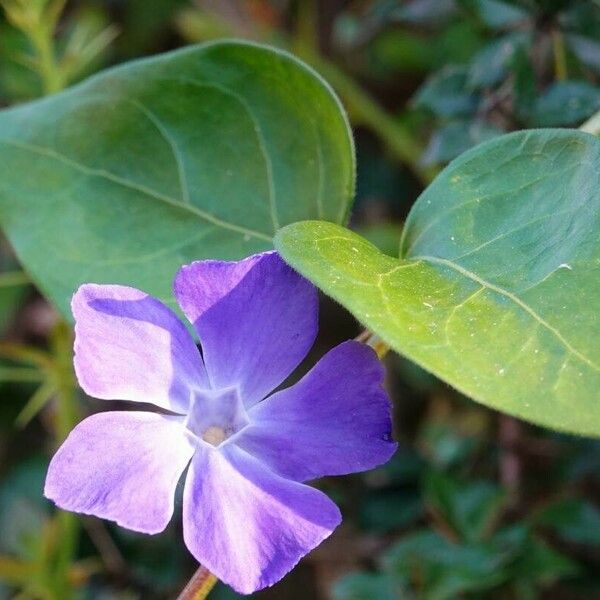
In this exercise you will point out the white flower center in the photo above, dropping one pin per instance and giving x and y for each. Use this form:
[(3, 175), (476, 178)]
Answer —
[(215, 415)]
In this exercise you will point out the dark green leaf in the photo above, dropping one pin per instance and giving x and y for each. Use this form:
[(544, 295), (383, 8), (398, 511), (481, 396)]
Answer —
[(489, 66), (542, 564), (366, 586), (587, 50), (470, 509), (457, 137), (446, 94), (576, 521), (495, 13), (445, 569), (497, 290), (566, 103), (184, 156)]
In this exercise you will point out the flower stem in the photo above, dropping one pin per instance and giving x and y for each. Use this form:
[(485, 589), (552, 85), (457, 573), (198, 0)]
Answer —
[(374, 341), (199, 586)]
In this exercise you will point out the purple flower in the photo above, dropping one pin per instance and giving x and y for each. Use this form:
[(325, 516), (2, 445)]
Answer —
[(247, 514)]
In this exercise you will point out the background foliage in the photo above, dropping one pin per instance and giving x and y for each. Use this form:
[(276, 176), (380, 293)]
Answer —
[(475, 504)]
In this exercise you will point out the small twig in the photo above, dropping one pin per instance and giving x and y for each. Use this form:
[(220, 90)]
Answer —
[(374, 341), (109, 552), (509, 433), (199, 586)]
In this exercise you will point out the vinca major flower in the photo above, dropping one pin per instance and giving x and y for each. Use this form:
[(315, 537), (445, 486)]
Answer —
[(248, 515)]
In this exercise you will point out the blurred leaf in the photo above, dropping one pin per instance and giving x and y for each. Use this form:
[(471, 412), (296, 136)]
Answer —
[(457, 137), (17, 81), (495, 13), (36, 403), (443, 569), (86, 43), (445, 446), (175, 158), (489, 66), (576, 521), (469, 508), (424, 12), (496, 290), (445, 93), (541, 564), (386, 236), (23, 510), (524, 86), (566, 103), (385, 511), (581, 17), (366, 586), (587, 50)]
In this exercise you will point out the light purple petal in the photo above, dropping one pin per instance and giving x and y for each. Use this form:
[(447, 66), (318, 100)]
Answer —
[(122, 466), (130, 346), (256, 320), (246, 524), (335, 420)]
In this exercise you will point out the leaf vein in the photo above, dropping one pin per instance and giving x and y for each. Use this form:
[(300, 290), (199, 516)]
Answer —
[(515, 299), (104, 174)]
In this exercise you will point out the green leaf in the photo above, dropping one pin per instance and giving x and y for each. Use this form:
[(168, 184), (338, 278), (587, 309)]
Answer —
[(446, 94), (203, 152), (566, 103), (495, 13), (497, 290), (587, 50), (489, 66), (365, 586), (576, 521), (457, 137), (469, 509), (542, 564), (445, 569)]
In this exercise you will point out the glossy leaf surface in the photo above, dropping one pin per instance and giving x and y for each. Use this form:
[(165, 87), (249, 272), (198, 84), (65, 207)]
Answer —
[(204, 152), (497, 290)]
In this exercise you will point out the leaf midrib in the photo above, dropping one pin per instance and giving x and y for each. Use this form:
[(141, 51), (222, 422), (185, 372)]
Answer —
[(107, 175), (513, 298)]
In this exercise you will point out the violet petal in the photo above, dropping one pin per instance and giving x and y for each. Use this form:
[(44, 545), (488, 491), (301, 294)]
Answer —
[(130, 346), (246, 524), (335, 420), (122, 466), (256, 319)]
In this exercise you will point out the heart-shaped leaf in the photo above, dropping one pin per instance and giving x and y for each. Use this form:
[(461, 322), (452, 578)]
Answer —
[(497, 290), (199, 153)]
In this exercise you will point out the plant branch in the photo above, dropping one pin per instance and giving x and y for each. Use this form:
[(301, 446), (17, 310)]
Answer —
[(199, 586)]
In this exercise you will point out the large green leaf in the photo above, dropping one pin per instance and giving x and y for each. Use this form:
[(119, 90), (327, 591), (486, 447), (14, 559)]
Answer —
[(497, 290), (204, 152)]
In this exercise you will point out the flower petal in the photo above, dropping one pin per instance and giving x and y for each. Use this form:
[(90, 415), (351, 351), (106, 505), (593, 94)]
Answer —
[(335, 420), (256, 319), (246, 524), (122, 466), (130, 346)]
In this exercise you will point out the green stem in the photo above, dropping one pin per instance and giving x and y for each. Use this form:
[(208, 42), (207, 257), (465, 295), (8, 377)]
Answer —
[(13, 278), (66, 418), (560, 56), (42, 39), (20, 374)]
